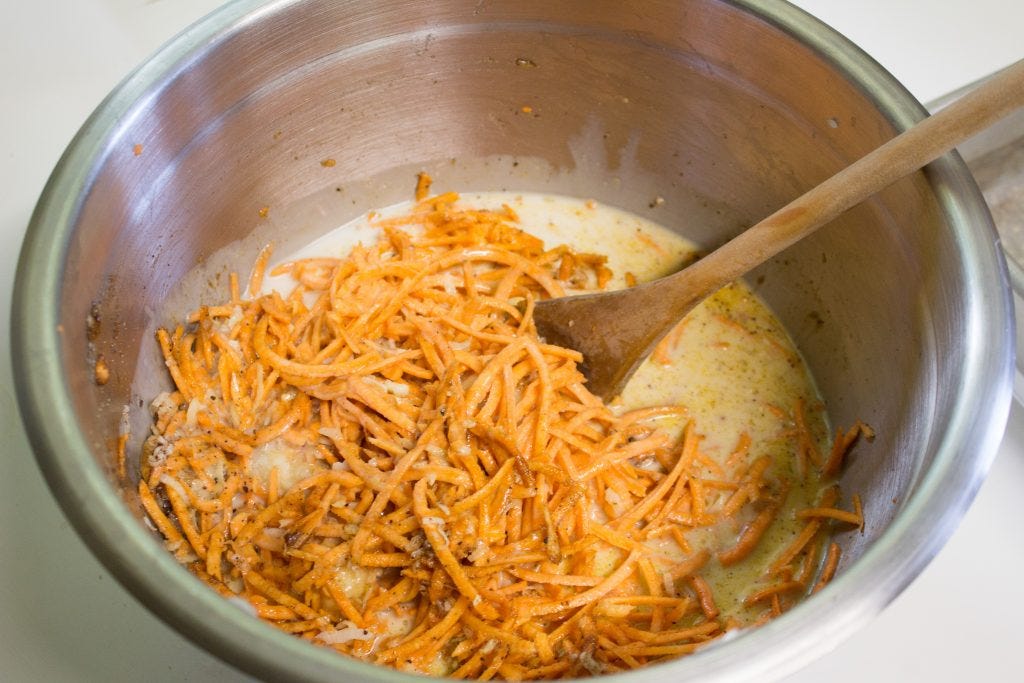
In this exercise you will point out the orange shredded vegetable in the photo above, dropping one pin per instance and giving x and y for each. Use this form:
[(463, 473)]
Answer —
[(457, 502)]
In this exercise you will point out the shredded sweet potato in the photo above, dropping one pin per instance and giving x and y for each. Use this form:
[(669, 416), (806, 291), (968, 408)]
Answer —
[(389, 461)]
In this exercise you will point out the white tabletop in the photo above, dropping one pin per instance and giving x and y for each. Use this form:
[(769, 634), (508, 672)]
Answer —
[(63, 618)]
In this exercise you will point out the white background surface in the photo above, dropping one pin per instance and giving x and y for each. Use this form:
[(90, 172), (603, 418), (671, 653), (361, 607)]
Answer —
[(63, 618)]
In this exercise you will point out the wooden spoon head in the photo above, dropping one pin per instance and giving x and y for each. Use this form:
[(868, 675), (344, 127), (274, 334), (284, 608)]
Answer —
[(615, 332)]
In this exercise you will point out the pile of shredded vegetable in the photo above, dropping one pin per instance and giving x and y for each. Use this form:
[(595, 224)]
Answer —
[(389, 462)]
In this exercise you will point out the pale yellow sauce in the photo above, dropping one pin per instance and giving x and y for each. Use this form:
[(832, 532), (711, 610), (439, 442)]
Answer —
[(733, 367)]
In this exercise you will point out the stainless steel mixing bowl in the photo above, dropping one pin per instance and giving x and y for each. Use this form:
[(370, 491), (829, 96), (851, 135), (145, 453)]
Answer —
[(723, 109)]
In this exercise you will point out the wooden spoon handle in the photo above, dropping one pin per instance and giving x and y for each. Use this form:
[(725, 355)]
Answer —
[(642, 315), (907, 152)]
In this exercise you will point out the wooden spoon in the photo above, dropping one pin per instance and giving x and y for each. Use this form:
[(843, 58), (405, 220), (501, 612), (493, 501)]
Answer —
[(615, 331)]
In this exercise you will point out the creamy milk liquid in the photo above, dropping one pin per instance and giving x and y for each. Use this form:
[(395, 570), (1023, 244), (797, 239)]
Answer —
[(733, 366)]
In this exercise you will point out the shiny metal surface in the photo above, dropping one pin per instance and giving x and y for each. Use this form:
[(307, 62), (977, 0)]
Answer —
[(725, 109), (996, 160)]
